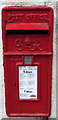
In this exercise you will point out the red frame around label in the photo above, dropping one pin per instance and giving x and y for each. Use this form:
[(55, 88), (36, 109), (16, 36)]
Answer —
[(38, 82)]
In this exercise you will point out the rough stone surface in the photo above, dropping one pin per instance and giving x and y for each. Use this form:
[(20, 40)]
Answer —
[(51, 3)]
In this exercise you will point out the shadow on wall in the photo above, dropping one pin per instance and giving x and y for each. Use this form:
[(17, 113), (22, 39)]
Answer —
[(27, 118)]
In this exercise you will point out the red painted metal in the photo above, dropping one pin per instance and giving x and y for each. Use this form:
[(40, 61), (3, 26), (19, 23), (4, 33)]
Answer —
[(27, 26), (27, 31)]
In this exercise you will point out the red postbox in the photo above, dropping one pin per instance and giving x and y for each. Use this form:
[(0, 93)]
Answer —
[(27, 50)]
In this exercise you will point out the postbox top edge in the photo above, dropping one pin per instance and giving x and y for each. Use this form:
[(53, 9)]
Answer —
[(28, 8)]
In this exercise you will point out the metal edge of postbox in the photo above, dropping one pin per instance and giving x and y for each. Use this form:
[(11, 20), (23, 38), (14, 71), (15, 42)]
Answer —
[(14, 26)]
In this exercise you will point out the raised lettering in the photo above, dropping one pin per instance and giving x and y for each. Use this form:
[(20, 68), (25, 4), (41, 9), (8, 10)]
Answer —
[(28, 17), (46, 17)]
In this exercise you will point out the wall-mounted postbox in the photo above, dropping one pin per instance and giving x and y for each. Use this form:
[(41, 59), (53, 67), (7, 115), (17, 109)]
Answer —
[(27, 51)]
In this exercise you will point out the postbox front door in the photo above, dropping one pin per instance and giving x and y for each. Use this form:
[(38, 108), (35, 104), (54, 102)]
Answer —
[(27, 49)]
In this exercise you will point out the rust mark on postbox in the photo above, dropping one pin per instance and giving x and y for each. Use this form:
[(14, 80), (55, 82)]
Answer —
[(27, 50)]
